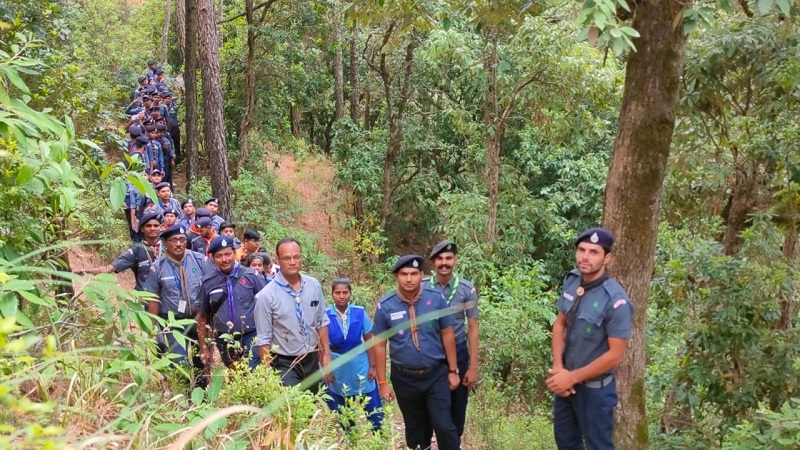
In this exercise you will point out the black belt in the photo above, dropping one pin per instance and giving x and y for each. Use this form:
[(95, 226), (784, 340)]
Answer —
[(597, 384), (416, 371)]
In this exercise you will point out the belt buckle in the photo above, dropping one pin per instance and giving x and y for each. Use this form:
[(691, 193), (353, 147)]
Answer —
[(420, 371)]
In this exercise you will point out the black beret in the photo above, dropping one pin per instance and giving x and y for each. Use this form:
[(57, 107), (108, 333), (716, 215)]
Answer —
[(251, 234), (212, 199), (148, 215), (202, 212), (224, 225), (158, 70), (443, 247), (162, 185), (161, 127), (161, 120), (203, 222), (155, 108), (142, 78), (172, 231), (142, 140), (599, 236), (172, 211), (166, 94), (220, 243), (135, 130), (151, 128), (186, 202), (146, 97), (152, 62), (159, 171), (414, 261)]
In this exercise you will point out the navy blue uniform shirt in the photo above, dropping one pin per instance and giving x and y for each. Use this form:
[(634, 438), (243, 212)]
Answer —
[(394, 313), (216, 301), (604, 312), (138, 258)]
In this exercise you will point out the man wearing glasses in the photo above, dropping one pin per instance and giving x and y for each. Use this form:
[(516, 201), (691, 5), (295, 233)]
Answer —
[(291, 321), (175, 279)]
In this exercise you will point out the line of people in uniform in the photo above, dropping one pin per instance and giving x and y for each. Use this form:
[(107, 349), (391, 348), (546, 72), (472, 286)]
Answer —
[(255, 311)]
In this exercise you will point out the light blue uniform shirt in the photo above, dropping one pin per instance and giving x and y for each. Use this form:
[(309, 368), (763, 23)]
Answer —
[(351, 378), (463, 303)]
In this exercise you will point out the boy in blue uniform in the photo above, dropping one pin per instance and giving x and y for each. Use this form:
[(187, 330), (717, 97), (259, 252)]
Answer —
[(462, 298), (589, 339), (423, 353), (227, 302)]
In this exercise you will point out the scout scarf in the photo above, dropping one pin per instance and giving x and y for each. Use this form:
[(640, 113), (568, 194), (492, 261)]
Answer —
[(180, 279), (455, 279), (573, 311), (412, 314)]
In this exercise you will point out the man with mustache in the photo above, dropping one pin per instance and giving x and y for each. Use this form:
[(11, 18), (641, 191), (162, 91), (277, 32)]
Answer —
[(589, 339), (462, 298)]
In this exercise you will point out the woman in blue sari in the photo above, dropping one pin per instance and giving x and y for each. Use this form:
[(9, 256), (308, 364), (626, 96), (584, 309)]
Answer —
[(350, 328)]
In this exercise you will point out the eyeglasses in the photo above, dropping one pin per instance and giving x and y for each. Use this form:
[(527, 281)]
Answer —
[(287, 259), (177, 240)]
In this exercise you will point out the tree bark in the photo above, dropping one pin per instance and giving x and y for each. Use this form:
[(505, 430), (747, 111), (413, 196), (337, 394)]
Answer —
[(190, 83), (635, 183), (743, 203), (180, 28), (249, 90), (214, 125), (165, 31), (338, 69), (353, 76), (494, 133), (294, 120)]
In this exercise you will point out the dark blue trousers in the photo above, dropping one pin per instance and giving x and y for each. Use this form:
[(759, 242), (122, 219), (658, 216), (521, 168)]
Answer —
[(585, 416), (424, 401), (460, 397)]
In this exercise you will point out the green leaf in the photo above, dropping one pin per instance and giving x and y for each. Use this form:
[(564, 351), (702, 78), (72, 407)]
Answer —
[(118, 191), (764, 6), (197, 396), (14, 78), (23, 320), (784, 5), (216, 386), (35, 299)]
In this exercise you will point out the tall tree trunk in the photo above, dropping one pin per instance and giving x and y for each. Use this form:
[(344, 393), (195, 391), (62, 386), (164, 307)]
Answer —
[(367, 110), (294, 120), (126, 10), (353, 76), (190, 83), (214, 125), (633, 192), (180, 28), (165, 31), (249, 90), (338, 69), (742, 204), (494, 133)]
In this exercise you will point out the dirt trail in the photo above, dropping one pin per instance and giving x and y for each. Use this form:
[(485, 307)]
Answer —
[(311, 180)]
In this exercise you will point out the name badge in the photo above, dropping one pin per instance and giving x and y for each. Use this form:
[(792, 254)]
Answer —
[(397, 315), (216, 291), (568, 297), (182, 306)]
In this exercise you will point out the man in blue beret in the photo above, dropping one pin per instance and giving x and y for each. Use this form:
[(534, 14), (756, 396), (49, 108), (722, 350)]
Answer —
[(175, 279), (171, 216), (165, 200), (227, 303), (589, 339), (140, 150), (462, 298), (212, 204), (202, 241), (292, 322), (172, 120), (419, 327), (140, 256)]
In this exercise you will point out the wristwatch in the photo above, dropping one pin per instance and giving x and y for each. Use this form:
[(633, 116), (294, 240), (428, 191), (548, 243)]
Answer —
[(455, 371)]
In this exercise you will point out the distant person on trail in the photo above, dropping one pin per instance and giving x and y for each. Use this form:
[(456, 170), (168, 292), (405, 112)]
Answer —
[(167, 151), (170, 218), (229, 229), (212, 204), (251, 241), (175, 278), (291, 321), (462, 299), (188, 213), (206, 234), (424, 361), (227, 304), (154, 147), (172, 120), (140, 256), (165, 200), (193, 232), (350, 328), (589, 339), (141, 150)]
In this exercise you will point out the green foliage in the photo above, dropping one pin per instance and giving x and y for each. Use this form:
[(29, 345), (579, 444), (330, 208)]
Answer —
[(768, 429)]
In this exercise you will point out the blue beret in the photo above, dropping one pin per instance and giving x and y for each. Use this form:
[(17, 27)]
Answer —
[(161, 185), (160, 172), (148, 215), (203, 222), (598, 236), (158, 70), (187, 202), (172, 211), (443, 247), (220, 243), (142, 140), (135, 130), (414, 261), (172, 231), (212, 199), (202, 212)]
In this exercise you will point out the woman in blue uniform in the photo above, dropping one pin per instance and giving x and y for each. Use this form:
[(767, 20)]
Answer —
[(350, 327)]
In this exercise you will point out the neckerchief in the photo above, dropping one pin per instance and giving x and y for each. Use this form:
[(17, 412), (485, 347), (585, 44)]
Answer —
[(180, 279), (298, 307), (229, 286), (412, 314), (573, 311), (455, 279), (153, 250), (343, 318)]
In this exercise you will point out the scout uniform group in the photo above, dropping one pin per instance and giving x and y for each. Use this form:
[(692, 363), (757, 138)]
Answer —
[(259, 310)]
